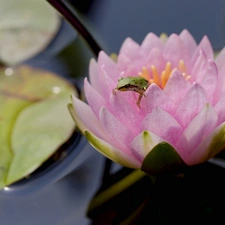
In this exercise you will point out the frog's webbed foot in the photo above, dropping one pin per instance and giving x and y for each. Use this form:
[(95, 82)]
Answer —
[(113, 91)]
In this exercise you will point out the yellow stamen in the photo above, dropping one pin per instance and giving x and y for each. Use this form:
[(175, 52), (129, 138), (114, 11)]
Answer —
[(114, 57), (161, 79), (182, 67), (155, 76), (168, 68), (165, 75), (187, 77), (144, 73), (163, 37)]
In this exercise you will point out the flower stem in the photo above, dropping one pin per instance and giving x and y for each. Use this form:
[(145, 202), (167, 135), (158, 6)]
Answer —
[(134, 215), (66, 11), (116, 189)]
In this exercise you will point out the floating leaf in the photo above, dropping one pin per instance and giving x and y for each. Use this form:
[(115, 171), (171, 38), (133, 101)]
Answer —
[(26, 28), (34, 120)]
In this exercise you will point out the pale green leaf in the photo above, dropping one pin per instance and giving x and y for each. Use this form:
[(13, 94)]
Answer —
[(34, 120), (26, 28)]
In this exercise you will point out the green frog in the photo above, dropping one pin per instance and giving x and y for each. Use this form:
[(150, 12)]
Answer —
[(137, 84)]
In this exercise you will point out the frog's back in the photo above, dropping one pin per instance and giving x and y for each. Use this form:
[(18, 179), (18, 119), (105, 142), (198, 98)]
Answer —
[(135, 80)]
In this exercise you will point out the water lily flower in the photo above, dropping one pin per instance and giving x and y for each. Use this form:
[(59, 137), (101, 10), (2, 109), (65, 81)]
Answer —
[(182, 107)]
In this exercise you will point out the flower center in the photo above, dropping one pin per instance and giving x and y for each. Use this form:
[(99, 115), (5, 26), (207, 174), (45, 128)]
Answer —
[(153, 76)]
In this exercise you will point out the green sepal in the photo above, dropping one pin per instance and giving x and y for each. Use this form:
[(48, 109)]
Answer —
[(162, 159)]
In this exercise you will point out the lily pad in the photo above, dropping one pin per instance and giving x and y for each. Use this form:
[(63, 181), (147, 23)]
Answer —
[(26, 28), (34, 120)]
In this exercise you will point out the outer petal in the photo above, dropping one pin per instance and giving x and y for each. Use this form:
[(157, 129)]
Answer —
[(143, 143), (95, 100), (162, 124), (199, 67), (119, 134), (94, 74), (222, 79), (125, 112), (194, 100), (206, 47), (177, 82), (80, 111), (151, 41), (175, 50), (210, 82), (107, 84), (112, 152), (155, 96), (209, 146), (188, 41), (109, 65), (220, 59), (220, 109), (199, 127)]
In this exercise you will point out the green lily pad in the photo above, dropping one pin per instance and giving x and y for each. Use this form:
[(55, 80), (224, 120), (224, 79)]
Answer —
[(162, 159), (34, 120), (26, 28)]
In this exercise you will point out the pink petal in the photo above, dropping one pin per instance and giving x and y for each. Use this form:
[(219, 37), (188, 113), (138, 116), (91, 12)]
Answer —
[(210, 82), (80, 112), (220, 62), (143, 143), (94, 75), (151, 41), (124, 158), (199, 67), (175, 51), (162, 124), (211, 145), (95, 100), (198, 128), (109, 65), (192, 103), (123, 62), (176, 87), (188, 41), (155, 58), (155, 96), (220, 109), (107, 84), (127, 66), (221, 79), (130, 97), (205, 45), (124, 112), (130, 48), (119, 134)]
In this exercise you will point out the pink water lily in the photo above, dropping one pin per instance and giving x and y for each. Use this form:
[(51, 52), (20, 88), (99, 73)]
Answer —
[(184, 104)]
